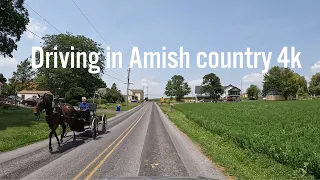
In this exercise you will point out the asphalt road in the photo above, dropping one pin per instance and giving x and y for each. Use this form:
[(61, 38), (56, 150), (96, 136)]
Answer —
[(140, 142)]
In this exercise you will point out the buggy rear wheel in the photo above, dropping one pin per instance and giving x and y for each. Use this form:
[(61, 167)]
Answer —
[(94, 128), (104, 123)]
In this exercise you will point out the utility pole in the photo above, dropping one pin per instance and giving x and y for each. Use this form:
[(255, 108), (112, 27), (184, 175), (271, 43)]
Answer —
[(143, 93), (128, 83), (147, 93), (241, 88)]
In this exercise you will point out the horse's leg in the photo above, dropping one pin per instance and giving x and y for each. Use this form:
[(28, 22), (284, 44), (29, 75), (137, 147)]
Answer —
[(74, 136), (55, 134), (64, 127), (50, 136)]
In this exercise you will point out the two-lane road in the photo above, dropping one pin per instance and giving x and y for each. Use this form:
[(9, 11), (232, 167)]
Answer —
[(142, 142)]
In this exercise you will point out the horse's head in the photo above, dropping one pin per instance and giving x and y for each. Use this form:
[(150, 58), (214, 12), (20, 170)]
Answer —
[(39, 106), (44, 102), (47, 101)]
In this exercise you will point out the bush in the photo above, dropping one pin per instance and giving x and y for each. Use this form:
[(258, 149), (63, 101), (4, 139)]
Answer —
[(74, 102)]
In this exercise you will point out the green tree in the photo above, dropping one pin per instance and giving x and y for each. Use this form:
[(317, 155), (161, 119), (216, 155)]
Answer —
[(169, 91), (65, 78), (2, 79), (211, 85), (265, 89), (113, 96), (23, 75), (114, 87), (75, 94), (177, 87), (302, 84), (314, 85), (253, 91), (283, 80), (10, 88), (13, 22)]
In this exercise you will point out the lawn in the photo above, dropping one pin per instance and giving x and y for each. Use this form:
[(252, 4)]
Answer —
[(19, 128), (123, 106), (286, 133)]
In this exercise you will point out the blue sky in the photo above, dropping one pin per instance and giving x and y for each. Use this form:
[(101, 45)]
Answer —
[(206, 25)]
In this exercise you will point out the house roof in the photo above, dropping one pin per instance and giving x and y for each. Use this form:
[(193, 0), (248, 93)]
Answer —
[(198, 88), (136, 90), (33, 92)]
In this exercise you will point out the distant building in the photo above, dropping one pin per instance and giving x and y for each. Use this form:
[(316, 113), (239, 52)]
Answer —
[(275, 96), (135, 95), (232, 92), (25, 94), (229, 91)]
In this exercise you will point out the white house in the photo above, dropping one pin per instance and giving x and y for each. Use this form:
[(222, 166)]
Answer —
[(135, 94), (229, 91), (25, 94), (232, 92)]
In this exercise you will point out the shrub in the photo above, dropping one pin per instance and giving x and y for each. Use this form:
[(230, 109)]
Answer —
[(74, 102)]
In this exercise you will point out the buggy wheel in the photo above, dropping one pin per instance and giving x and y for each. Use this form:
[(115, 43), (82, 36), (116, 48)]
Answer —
[(104, 123), (94, 128)]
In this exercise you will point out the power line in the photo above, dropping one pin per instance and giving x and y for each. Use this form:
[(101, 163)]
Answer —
[(96, 31), (114, 77), (89, 21), (117, 74), (43, 18), (35, 34)]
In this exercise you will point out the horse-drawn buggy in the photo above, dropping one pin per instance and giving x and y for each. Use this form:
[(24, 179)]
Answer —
[(91, 120), (64, 114)]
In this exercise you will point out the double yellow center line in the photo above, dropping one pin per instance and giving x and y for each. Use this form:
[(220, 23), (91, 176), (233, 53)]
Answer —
[(125, 133)]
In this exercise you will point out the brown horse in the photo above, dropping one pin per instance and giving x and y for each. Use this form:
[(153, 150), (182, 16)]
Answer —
[(59, 115)]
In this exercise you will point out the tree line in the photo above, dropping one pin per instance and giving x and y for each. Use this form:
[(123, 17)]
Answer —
[(177, 88), (277, 79), (287, 82)]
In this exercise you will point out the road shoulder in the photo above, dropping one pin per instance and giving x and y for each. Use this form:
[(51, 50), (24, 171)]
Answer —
[(188, 152)]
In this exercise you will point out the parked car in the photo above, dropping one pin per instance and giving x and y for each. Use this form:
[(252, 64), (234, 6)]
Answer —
[(229, 99), (30, 102), (14, 99)]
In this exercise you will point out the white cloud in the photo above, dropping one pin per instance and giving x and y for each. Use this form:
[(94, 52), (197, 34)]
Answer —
[(253, 77), (151, 86), (36, 27), (316, 67), (150, 82), (7, 66), (194, 83)]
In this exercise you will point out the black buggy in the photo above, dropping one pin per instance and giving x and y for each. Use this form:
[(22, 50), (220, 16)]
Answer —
[(91, 120), (87, 120)]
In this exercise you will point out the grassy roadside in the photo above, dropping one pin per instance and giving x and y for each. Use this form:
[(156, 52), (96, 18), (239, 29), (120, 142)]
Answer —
[(20, 128), (238, 162), (109, 115), (123, 106)]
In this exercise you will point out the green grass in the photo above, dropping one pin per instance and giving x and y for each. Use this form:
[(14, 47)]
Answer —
[(124, 107), (263, 140), (109, 115), (19, 128)]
